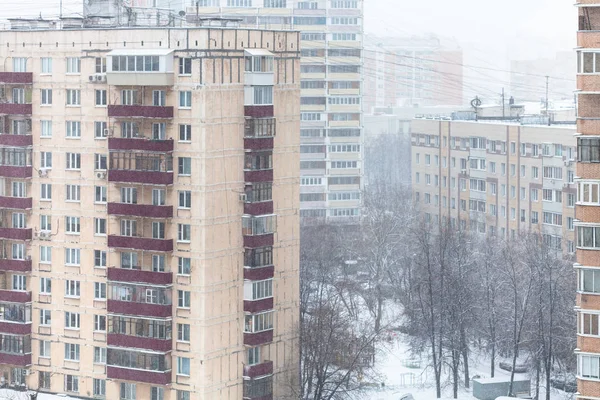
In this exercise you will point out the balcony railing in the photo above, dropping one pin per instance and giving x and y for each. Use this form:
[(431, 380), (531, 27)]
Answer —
[(255, 306), (12, 171), (14, 296), (139, 309), (15, 328), (136, 375), (140, 210), (137, 342), (16, 78), (19, 203), (20, 360), (15, 109), (255, 339), (140, 243), (139, 111), (139, 276), (143, 144), (259, 111), (15, 233), (15, 265), (262, 369), (148, 177), (7, 139)]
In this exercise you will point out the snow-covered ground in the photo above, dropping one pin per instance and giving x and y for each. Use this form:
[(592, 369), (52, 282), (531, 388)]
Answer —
[(399, 379), (7, 394)]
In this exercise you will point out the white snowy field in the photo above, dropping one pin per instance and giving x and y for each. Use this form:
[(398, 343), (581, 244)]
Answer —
[(390, 363), (7, 394)]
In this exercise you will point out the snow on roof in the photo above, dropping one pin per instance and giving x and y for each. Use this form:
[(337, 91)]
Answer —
[(501, 379), (258, 52)]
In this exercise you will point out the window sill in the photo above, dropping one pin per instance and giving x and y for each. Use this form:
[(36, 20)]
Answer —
[(45, 105), (72, 297), (72, 138), (185, 108), (73, 105), (46, 137), (100, 300), (184, 241), (100, 105), (184, 141), (100, 137), (72, 329)]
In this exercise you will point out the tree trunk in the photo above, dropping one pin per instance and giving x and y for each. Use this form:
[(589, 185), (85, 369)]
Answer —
[(465, 355), (537, 380), (455, 378), (493, 356)]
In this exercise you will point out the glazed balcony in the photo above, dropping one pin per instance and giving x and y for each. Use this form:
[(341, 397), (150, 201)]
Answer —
[(139, 276), (262, 369), (19, 360), (254, 306), (15, 109), (139, 309), (258, 338), (14, 171), (140, 210), (15, 265), (259, 133), (7, 139), (16, 233), (137, 167), (139, 111), (18, 203), (15, 319), (137, 375), (140, 243), (15, 296), (142, 144), (137, 342), (16, 78), (143, 177)]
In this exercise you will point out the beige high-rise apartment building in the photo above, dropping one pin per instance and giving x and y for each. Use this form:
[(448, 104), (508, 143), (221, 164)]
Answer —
[(497, 178), (149, 186)]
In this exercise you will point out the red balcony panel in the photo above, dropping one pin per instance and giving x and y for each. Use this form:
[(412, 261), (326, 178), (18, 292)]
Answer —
[(15, 265), (258, 143), (13, 296), (253, 371), (16, 78), (256, 241), (20, 203), (136, 375), (254, 339), (140, 210), (15, 328), (137, 342), (124, 111), (15, 233), (254, 306), (136, 275), (259, 274), (15, 109), (265, 175), (261, 208), (258, 111), (139, 309), (128, 242), (164, 146), (149, 177), (15, 140), (9, 171), (21, 360)]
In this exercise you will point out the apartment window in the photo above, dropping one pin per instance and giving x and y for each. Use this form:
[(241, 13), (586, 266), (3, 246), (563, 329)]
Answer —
[(184, 266), (522, 171), (99, 291), (588, 236), (72, 320), (513, 170), (503, 169), (73, 65), (45, 317), (263, 95), (534, 217), (185, 133), (128, 391), (136, 63), (73, 97), (158, 197), (159, 98), (158, 230), (99, 387), (100, 326), (570, 223), (570, 200), (492, 167), (183, 395), (72, 353), (523, 217), (100, 65), (100, 194), (19, 64), (46, 254), (73, 161), (100, 129), (588, 193), (185, 99), (264, 289), (129, 260), (73, 129), (493, 188), (588, 366), (73, 193), (72, 225), (553, 172), (570, 176), (158, 263), (183, 366), (46, 65), (183, 299), (72, 257), (72, 288), (534, 195), (46, 97), (157, 393), (100, 226), (100, 162), (45, 160), (552, 218), (258, 322), (128, 227), (45, 348), (129, 195), (535, 150), (101, 97), (523, 193), (71, 381), (129, 97), (589, 281), (185, 165), (513, 213), (535, 172), (46, 129), (18, 251), (99, 259), (45, 285), (19, 282), (183, 332), (159, 131), (185, 66)]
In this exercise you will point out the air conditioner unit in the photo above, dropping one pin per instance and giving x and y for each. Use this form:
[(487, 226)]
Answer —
[(43, 173), (463, 171), (100, 78), (92, 78), (44, 235), (101, 175), (105, 133), (243, 197), (567, 163)]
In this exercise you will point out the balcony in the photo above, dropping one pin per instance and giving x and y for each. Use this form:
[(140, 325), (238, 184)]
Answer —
[(7, 139), (15, 328), (139, 309), (137, 375), (255, 306), (255, 339), (265, 175), (11, 171), (15, 265), (139, 276), (259, 240), (14, 296), (137, 342), (140, 210), (139, 243), (144, 177), (258, 128), (20, 360), (259, 208), (253, 371), (258, 274), (15, 109), (19, 203), (15, 233), (139, 111), (259, 111), (16, 78), (142, 144)]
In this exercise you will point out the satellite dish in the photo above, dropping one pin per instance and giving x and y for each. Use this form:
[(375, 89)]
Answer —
[(181, 13)]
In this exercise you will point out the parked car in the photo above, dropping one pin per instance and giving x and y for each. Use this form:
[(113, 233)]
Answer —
[(565, 382), (519, 368), (407, 396)]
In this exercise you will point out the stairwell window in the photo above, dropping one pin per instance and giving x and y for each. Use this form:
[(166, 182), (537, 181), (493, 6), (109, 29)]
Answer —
[(263, 95)]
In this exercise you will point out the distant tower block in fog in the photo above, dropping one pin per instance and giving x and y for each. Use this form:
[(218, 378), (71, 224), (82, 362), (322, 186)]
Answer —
[(405, 71)]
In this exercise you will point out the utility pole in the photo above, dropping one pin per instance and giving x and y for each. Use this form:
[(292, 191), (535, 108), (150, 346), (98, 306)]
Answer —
[(503, 103)]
